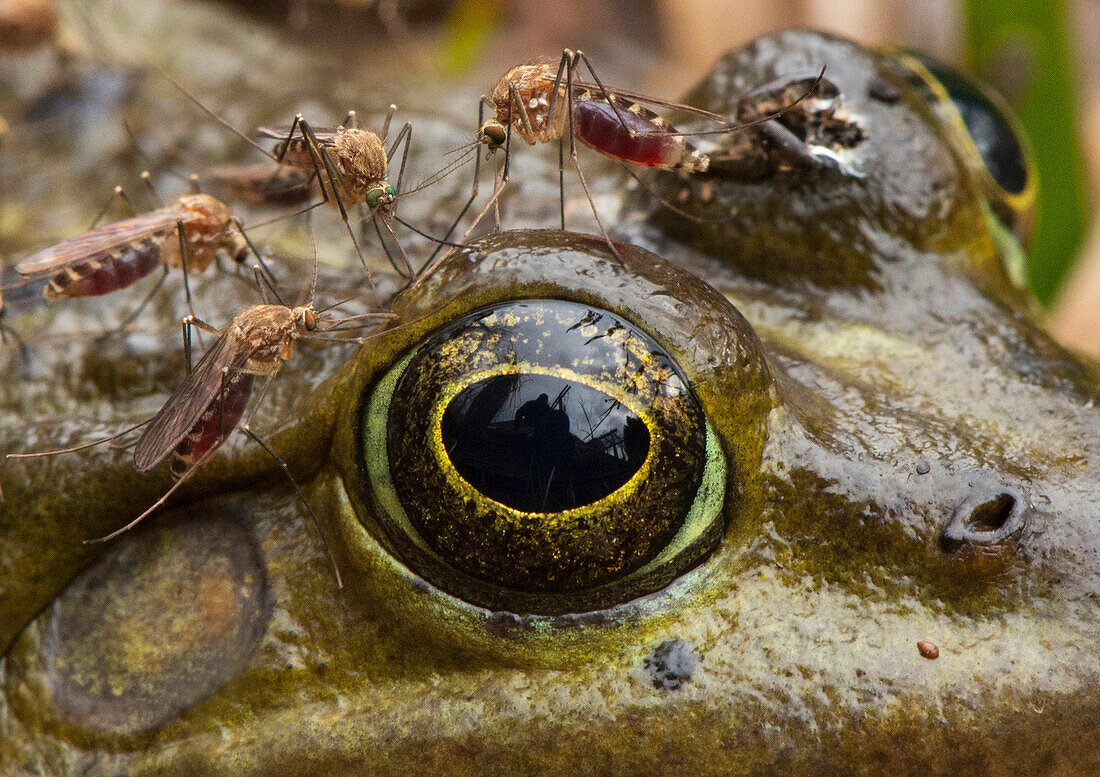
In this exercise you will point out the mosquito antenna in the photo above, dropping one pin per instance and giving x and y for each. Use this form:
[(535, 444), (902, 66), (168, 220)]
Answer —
[(75, 448), (214, 116), (439, 175)]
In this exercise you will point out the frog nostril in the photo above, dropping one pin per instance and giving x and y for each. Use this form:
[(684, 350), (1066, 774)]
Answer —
[(984, 521), (993, 514)]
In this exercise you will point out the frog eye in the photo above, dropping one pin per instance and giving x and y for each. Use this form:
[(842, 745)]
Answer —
[(541, 456), (991, 135)]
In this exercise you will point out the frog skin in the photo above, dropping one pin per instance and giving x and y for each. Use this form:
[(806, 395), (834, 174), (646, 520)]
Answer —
[(908, 458)]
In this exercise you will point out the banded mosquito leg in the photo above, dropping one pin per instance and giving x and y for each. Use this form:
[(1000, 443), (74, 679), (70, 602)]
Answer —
[(137, 311), (188, 322), (146, 179), (473, 189), (576, 164), (315, 151), (298, 490), (119, 194)]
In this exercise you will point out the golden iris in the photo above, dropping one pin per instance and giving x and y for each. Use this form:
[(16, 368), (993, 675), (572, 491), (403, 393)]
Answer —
[(541, 446)]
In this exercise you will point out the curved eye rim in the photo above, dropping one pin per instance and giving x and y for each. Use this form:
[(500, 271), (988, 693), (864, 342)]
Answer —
[(1022, 203), (697, 536)]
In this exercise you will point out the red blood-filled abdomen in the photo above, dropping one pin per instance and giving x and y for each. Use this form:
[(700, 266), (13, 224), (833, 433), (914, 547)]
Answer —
[(217, 422), (106, 273), (596, 125)]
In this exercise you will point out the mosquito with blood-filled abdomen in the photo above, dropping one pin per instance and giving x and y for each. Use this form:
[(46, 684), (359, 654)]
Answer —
[(211, 400), (187, 233), (541, 103)]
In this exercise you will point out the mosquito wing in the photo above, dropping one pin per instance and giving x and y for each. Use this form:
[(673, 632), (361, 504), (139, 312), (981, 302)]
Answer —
[(155, 223), (187, 404)]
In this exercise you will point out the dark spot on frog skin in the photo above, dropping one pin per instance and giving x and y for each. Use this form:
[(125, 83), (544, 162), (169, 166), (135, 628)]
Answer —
[(671, 664)]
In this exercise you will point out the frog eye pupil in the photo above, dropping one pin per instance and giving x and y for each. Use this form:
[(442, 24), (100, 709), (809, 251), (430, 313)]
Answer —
[(539, 443)]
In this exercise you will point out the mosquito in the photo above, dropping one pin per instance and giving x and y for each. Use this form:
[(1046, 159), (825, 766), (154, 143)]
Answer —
[(541, 103), (211, 400), (187, 233), (352, 167)]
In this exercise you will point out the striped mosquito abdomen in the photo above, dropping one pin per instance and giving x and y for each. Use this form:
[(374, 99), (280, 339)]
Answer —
[(646, 140), (107, 272), (219, 419)]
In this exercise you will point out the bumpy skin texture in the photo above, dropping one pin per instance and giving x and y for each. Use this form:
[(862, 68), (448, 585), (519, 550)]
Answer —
[(860, 409)]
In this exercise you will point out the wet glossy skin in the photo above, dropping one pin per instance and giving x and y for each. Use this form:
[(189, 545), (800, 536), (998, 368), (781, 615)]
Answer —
[(878, 384)]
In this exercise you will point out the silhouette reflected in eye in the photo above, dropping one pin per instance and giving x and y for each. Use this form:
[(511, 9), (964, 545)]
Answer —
[(542, 456), (546, 456)]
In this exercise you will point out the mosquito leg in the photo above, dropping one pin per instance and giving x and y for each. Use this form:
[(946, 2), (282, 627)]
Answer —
[(118, 193), (262, 282), (147, 182), (473, 189), (351, 121), (182, 479), (76, 448), (577, 165), (406, 135), (137, 311), (193, 321), (406, 271), (315, 150), (284, 146), (252, 247), (561, 177), (297, 489), (386, 124), (183, 263)]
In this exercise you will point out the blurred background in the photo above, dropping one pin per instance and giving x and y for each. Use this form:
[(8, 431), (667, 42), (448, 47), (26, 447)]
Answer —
[(1042, 55)]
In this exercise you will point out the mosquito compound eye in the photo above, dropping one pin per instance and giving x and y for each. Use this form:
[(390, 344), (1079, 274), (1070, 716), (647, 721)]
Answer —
[(542, 447), (495, 134), (391, 194), (374, 198)]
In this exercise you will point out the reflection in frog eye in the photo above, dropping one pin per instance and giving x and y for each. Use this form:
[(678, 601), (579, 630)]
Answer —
[(542, 456)]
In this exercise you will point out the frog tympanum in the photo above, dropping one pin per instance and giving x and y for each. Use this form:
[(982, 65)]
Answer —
[(683, 515)]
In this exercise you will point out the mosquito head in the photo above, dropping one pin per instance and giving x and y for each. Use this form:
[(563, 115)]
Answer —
[(305, 318), (236, 245), (381, 195), (492, 134)]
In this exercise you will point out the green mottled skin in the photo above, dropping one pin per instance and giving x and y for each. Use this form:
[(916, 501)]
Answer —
[(881, 375)]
